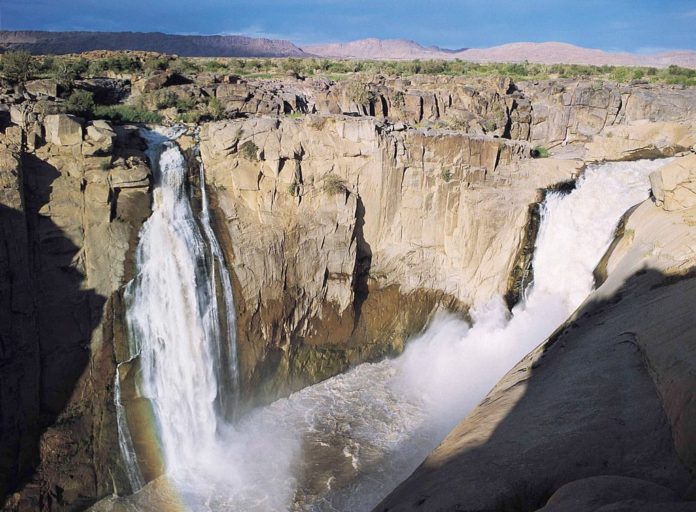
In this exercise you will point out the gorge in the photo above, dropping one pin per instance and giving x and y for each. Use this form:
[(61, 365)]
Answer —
[(328, 300)]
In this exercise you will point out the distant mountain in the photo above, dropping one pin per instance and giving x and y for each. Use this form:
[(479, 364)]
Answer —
[(189, 46), (397, 49), (544, 53), (387, 49)]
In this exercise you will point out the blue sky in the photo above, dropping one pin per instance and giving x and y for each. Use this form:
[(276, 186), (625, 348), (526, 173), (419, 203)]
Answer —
[(616, 25)]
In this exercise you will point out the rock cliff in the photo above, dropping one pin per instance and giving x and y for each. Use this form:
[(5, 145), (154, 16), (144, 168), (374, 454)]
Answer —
[(71, 210), (346, 233), (349, 212), (614, 387)]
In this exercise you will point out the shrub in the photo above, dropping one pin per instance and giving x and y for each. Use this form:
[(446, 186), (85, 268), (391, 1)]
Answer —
[(126, 114), (17, 66), (249, 150), (214, 65), (216, 110), (165, 99), (358, 92), (193, 116), (398, 99), (185, 104), (64, 73), (294, 188), (80, 103), (156, 64), (118, 63), (184, 66), (446, 175), (333, 185), (540, 152)]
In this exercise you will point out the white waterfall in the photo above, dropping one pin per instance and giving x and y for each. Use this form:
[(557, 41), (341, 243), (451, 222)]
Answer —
[(181, 323), (343, 444), (125, 441)]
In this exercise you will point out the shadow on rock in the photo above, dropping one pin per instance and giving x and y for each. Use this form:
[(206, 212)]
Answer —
[(611, 392)]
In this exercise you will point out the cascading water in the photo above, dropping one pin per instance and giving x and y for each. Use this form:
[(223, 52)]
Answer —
[(181, 322), (343, 444)]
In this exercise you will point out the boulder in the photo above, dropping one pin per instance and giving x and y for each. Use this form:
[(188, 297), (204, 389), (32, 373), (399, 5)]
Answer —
[(595, 492), (45, 87), (63, 130), (99, 138), (674, 185), (135, 173), (106, 91)]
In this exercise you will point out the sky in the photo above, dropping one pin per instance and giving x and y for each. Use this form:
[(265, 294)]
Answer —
[(615, 25)]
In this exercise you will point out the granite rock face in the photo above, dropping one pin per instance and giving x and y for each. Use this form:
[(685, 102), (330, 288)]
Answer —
[(674, 186), (332, 219), (614, 386), (69, 227), (345, 225)]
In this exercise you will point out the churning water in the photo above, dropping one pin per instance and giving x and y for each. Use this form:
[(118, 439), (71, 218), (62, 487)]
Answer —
[(345, 443)]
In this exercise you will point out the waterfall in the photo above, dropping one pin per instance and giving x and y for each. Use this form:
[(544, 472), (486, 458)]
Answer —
[(180, 315), (345, 443), (125, 441)]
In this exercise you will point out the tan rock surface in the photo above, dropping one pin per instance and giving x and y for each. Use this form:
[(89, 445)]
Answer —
[(614, 387), (63, 130), (674, 186)]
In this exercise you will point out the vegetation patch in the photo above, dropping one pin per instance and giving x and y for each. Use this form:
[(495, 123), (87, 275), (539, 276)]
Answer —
[(215, 109), (80, 103), (332, 185), (126, 114), (249, 150), (540, 152), (18, 66), (294, 189), (359, 92), (446, 175)]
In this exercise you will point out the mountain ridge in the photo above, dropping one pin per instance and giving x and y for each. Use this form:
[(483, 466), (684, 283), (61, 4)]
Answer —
[(43, 42), (551, 52)]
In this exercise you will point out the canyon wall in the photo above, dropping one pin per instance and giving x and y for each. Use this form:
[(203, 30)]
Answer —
[(614, 386), (345, 224), (71, 210), (345, 234)]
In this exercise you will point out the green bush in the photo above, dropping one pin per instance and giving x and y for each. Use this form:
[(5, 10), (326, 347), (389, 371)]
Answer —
[(294, 189), (126, 114), (446, 175), (216, 110), (164, 99), (156, 64), (17, 66), (359, 92), (80, 103), (249, 150), (185, 104), (117, 64), (193, 116), (333, 185), (540, 152)]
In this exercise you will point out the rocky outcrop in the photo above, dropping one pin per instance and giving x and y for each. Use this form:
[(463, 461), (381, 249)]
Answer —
[(614, 386), (332, 219), (674, 186), (349, 211), (71, 219), (584, 119)]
